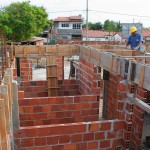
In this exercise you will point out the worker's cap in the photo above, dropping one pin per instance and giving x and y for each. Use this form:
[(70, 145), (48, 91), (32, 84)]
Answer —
[(133, 29)]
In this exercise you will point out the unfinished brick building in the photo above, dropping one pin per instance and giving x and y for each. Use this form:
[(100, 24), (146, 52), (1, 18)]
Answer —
[(59, 114)]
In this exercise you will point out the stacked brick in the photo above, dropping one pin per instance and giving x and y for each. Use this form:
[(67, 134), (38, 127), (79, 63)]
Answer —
[(57, 110), (14, 74), (25, 69), (116, 94), (34, 88), (103, 135), (68, 88), (138, 119), (128, 116), (89, 78)]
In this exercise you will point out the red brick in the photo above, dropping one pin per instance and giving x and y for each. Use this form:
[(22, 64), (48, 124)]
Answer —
[(20, 134), (58, 147), (28, 109), (74, 128), (70, 147), (21, 95), (93, 145), (76, 138), (64, 139), (27, 142), (52, 140), (118, 125), (105, 144), (32, 132), (94, 126), (122, 87), (105, 126), (111, 135), (99, 135), (88, 137), (81, 146), (40, 141)]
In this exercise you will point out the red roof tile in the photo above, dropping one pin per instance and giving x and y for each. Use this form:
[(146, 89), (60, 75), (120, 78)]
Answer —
[(146, 33), (96, 33), (69, 19)]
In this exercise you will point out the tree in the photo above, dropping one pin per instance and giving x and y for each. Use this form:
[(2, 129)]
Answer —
[(109, 25), (23, 20), (112, 26), (93, 26)]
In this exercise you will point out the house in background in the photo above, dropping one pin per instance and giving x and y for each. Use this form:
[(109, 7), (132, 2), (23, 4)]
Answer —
[(69, 28), (146, 35), (97, 35), (117, 37)]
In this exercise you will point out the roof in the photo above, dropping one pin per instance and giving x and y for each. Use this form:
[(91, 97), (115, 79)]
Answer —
[(69, 19), (146, 33), (97, 33)]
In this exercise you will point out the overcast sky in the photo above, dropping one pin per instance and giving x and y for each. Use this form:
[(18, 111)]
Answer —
[(130, 7)]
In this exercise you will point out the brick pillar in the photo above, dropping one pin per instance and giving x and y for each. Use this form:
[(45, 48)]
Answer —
[(25, 69), (115, 97), (60, 67), (138, 119)]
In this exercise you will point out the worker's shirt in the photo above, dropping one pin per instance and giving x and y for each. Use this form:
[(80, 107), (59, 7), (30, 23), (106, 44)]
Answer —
[(135, 40)]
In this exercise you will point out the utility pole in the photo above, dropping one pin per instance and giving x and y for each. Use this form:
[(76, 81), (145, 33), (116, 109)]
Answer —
[(87, 21)]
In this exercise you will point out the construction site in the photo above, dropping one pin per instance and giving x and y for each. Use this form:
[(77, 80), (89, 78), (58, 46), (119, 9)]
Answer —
[(104, 106)]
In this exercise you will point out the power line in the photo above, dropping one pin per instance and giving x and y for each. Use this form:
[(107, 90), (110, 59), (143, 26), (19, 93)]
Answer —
[(65, 11), (107, 12)]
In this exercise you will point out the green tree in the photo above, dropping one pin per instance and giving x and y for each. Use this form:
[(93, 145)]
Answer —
[(94, 26), (118, 27), (23, 19), (109, 26), (112, 26)]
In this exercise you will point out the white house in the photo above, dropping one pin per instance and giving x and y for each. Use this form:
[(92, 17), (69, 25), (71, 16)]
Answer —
[(68, 27)]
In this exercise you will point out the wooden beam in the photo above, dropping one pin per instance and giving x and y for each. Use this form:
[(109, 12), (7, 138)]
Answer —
[(5, 97), (3, 132)]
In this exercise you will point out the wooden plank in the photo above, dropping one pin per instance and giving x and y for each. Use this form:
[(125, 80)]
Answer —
[(141, 80), (52, 72), (7, 81), (3, 126), (0, 143), (4, 95)]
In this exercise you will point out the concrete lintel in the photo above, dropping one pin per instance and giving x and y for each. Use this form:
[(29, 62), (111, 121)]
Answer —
[(141, 104)]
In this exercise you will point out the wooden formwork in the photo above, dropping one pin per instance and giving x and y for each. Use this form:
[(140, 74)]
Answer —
[(6, 100), (100, 55)]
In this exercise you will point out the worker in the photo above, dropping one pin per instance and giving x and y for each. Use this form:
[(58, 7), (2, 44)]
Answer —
[(135, 40)]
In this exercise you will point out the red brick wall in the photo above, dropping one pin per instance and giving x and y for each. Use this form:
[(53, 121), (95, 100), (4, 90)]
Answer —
[(56, 110), (34, 88), (89, 78), (119, 106), (25, 69), (116, 94), (39, 88), (78, 136), (138, 118), (68, 88)]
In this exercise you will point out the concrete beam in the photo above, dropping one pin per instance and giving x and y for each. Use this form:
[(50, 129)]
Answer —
[(140, 103)]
